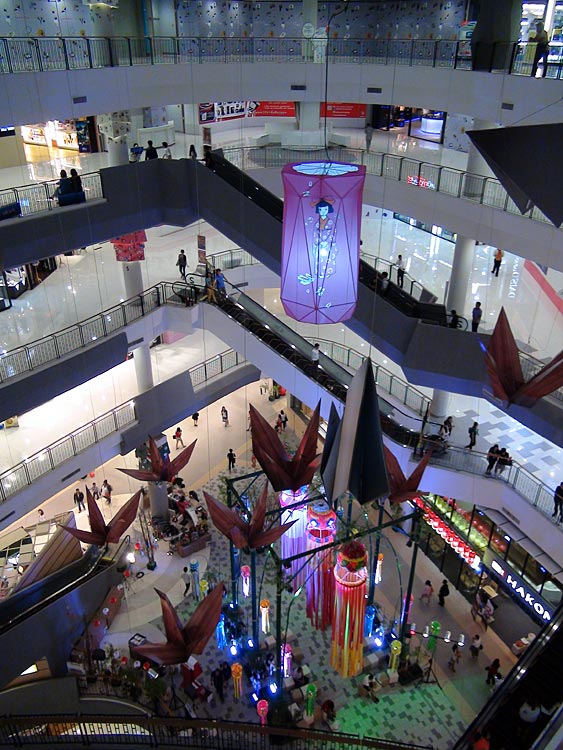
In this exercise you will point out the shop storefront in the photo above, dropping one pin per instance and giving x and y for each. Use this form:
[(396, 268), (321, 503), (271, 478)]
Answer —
[(72, 135), (424, 124), (434, 229), (16, 281)]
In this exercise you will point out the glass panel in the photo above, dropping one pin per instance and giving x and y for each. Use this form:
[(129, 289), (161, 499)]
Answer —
[(481, 531), (52, 54), (534, 573), (114, 319), (14, 364), (77, 53), (516, 557), (37, 466), (62, 451), (125, 415), (498, 542), (213, 367), (92, 186), (69, 341), (84, 438), (197, 375), (34, 198), (99, 49), (105, 425), (14, 480), (552, 591), (93, 329), (228, 360), (23, 55)]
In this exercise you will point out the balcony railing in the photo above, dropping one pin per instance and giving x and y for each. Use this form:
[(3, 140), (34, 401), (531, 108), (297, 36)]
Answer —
[(37, 54), (38, 197)]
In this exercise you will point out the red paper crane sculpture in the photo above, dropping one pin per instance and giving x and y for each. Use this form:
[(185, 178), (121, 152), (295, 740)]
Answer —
[(283, 471), (183, 641), (242, 534), (162, 470), (505, 369), (102, 533), (402, 488)]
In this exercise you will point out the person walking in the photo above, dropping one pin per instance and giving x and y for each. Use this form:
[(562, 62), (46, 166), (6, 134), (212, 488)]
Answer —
[(225, 416), (476, 315), (182, 264), (454, 319), (178, 437), (95, 490), (231, 459), (187, 578), (195, 417), (192, 153), (497, 261), (447, 427), (473, 431), (279, 424), (427, 592), (220, 283), (541, 51), (558, 503), (493, 672), (79, 499), (368, 130), (166, 153), (442, 593), (210, 287), (492, 458), (476, 647), (315, 353), (455, 657), (283, 416), (106, 491), (150, 152), (400, 270)]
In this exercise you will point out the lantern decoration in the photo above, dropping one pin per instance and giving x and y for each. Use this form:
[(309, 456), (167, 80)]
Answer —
[(310, 696), (127, 573), (113, 600), (262, 710), (378, 567), (434, 631), (130, 247), (265, 615), (294, 541), (368, 622), (162, 469), (396, 648), (286, 659), (245, 575), (194, 572), (101, 533), (236, 672), (321, 530), (350, 573), (321, 240), (449, 535), (220, 634), (203, 587)]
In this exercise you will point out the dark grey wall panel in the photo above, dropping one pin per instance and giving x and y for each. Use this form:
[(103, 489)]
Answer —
[(42, 385)]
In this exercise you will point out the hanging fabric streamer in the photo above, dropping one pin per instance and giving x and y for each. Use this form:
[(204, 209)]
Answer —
[(321, 530), (265, 615), (220, 634), (370, 617), (194, 570), (294, 541), (262, 710), (236, 672), (245, 576), (286, 659), (378, 568), (348, 625)]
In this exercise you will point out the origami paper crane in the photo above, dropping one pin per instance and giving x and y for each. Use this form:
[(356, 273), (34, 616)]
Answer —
[(402, 488), (285, 472), (243, 534), (161, 470), (505, 369), (102, 533), (183, 641)]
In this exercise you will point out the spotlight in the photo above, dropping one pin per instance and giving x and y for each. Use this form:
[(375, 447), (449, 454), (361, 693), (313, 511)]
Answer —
[(426, 632), (232, 605), (254, 697), (447, 636), (233, 649), (461, 640), (250, 643), (378, 642), (130, 557), (273, 688)]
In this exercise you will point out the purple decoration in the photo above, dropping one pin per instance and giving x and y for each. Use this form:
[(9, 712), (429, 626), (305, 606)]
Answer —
[(321, 240)]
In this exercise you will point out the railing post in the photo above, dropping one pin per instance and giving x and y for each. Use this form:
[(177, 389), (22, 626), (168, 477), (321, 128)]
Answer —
[(142, 298), (35, 42), (28, 358), (434, 56), (151, 48), (89, 51), (65, 53), (130, 52), (74, 452), (513, 54), (110, 52)]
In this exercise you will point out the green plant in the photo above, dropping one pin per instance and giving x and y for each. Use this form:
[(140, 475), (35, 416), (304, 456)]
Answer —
[(155, 689)]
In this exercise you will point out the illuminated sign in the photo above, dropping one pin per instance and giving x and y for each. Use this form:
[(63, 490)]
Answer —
[(420, 182), (520, 588), (449, 536)]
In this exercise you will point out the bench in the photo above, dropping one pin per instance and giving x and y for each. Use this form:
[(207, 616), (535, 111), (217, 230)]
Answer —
[(69, 199), (10, 210)]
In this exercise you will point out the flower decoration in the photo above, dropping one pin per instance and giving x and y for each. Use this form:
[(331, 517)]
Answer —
[(285, 472), (401, 488), (242, 534), (162, 470), (352, 556), (101, 533)]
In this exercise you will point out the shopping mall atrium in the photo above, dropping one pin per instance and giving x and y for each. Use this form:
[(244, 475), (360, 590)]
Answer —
[(253, 492)]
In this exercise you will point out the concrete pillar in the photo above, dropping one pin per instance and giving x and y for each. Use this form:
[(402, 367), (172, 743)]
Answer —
[(133, 280), (497, 22), (309, 115), (132, 277), (440, 404), (461, 274), (158, 498), (118, 153)]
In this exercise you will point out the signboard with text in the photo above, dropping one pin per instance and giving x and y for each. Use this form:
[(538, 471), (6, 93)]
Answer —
[(517, 587), (343, 109), (222, 111)]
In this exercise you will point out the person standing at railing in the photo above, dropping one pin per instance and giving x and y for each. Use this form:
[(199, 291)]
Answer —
[(135, 153), (558, 504), (75, 181), (369, 135), (541, 40), (150, 152), (64, 185), (400, 270), (166, 153), (476, 315)]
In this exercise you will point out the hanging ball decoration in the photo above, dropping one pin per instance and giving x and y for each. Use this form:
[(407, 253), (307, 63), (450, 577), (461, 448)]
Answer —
[(96, 623), (146, 666)]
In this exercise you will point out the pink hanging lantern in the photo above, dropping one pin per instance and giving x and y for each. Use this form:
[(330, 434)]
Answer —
[(321, 530), (350, 572), (294, 541), (245, 576), (262, 710), (321, 240)]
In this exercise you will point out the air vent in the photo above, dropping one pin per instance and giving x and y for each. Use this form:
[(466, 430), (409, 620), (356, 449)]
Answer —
[(375, 90), (79, 99), (507, 105), (298, 87), (72, 474)]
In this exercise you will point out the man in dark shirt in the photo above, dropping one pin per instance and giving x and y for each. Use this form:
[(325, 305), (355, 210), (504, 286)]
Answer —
[(558, 503), (150, 152)]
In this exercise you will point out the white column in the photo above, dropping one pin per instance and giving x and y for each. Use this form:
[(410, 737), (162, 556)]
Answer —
[(118, 153), (158, 498), (440, 404), (132, 277), (461, 274), (133, 280)]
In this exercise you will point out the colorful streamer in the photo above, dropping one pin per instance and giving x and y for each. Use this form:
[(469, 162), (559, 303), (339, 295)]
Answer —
[(321, 530), (310, 699), (265, 615), (220, 634), (245, 575), (236, 673), (294, 541)]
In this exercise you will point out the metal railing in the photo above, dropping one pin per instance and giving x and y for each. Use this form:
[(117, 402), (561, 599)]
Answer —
[(38, 197), (37, 54), (485, 191), (410, 285), (228, 259)]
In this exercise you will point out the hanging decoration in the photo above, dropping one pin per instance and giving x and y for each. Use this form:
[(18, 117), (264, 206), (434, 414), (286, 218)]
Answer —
[(162, 469), (435, 628), (378, 568), (220, 634), (203, 587), (194, 572), (236, 672), (394, 658), (321, 530), (368, 621), (294, 541), (286, 659), (401, 488), (245, 575), (262, 710), (321, 240), (350, 573), (101, 533), (265, 615), (130, 247), (310, 699)]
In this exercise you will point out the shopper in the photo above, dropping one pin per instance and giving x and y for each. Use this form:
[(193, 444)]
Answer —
[(231, 459), (504, 460), (279, 424), (427, 592), (481, 741), (454, 319), (187, 578), (473, 431), (400, 270), (178, 438), (182, 263), (497, 261), (370, 686), (150, 152), (64, 185), (220, 283), (283, 416), (95, 490), (79, 499), (210, 287), (106, 491), (166, 153), (135, 153), (541, 51), (492, 458), (368, 130), (192, 153), (476, 315), (558, 502), (315, 354), (447, 427), (443, 592), (455, 657), (225, 416), (75, 181), (476, 647), (195, 417), (493, 672)]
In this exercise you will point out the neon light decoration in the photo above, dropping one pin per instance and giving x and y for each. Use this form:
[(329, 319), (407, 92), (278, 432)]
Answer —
[(321, 240), (294, 541), (265, 615), (236, 672), (449, 536), (321, 529), (286, 659), (245, 575), (350, 573)]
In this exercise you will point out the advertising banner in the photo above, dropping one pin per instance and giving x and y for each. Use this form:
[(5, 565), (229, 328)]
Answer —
[(343, 109), (222, 111)]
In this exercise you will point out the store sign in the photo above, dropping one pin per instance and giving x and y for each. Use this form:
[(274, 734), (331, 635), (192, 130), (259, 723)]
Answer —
[(449, 535), (513, 582), (343, 109), (223, 111), (421, 182)]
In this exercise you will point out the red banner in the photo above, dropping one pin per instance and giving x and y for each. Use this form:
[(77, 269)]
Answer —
[(274, 109), (343, 109)]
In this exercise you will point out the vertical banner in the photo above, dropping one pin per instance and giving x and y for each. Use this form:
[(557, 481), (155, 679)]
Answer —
[(201, 249)]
